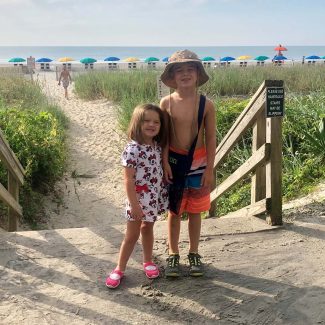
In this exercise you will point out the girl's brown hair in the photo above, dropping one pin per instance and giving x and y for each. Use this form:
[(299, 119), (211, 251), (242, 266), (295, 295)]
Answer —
[(134, 131)]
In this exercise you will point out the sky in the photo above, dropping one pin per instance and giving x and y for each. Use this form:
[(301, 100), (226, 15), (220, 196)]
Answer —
[(161, 22)]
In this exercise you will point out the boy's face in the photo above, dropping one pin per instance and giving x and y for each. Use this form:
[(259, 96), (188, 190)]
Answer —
[(185, 75)]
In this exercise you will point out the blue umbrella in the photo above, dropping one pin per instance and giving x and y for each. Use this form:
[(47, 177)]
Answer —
[(227, 58), (313, 57), (165, 59), (279, 58), (112, 58), (44, 60)]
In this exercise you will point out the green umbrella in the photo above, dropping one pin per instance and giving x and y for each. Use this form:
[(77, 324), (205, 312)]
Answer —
[(151, 59), (17, 60), (323, 57), (261, 58), (88, 60), (208, 58)]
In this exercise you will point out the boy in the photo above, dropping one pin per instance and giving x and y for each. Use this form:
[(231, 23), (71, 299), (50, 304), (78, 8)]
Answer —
[(189, 192)]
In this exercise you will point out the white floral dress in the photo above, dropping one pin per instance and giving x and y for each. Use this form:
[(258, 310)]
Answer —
[(149, 182)]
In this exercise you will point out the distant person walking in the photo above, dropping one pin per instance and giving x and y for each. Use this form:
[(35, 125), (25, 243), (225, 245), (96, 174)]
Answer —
[(66, 80)]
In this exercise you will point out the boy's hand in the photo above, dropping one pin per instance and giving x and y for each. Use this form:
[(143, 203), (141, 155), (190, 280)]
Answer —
[(207, 178), (136, 212), (168, 173)]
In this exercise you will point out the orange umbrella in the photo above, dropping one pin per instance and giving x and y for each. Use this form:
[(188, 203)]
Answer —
[(280, 48)]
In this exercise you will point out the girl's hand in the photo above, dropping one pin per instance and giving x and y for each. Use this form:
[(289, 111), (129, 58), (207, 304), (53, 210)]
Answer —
[(207, 178), (168, 173), (136, 212)]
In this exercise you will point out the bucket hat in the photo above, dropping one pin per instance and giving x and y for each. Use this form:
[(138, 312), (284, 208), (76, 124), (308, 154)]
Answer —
[(184, 56)]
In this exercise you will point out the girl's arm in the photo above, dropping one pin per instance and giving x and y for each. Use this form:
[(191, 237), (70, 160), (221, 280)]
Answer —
[(129, 176), (210, 142)]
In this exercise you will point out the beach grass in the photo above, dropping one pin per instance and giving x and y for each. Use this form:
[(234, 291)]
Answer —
[(230, 89), (35, 130)]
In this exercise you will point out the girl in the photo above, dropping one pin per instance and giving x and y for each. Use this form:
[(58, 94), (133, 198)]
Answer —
[(145, 188)]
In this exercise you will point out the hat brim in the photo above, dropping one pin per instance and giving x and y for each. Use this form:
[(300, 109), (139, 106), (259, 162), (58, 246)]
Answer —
[(168, 80)]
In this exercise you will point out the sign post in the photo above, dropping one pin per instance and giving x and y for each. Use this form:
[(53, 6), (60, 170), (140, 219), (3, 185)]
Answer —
[(274, 101), (162, 89), (31, 66)]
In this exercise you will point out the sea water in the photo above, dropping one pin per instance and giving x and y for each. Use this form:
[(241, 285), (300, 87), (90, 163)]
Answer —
[(122, 52)]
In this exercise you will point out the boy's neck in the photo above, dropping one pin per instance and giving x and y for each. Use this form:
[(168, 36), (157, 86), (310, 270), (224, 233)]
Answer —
[(186, 92)]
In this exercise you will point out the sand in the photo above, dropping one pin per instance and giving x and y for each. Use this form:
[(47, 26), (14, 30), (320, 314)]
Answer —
[(91, 192), (255, 273)]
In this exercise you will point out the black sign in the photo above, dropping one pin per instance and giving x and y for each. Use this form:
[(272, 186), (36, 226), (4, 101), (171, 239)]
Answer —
[(274, 101)]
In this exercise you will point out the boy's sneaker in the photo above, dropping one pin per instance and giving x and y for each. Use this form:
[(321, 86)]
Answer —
[(196, 267), (172, 268)]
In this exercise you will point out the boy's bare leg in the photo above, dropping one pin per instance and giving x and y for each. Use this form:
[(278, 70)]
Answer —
[(174, 228), (194, 230), (147, 240)]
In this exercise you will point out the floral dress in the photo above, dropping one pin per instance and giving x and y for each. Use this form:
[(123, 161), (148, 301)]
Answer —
[(151, 189)]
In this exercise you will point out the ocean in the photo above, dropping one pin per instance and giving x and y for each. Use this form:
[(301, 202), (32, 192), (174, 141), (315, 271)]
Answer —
[(101, 52)]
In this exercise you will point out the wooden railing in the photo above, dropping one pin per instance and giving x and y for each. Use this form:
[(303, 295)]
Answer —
[(265, 162), (10, 195)]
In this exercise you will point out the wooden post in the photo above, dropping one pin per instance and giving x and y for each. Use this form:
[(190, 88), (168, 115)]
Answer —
[(213, 207), (258, 190), (13, 189), (274, 170)]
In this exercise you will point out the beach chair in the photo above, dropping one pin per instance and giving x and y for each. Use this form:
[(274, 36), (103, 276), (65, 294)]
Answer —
[(207, 64), (132, 65), (112, 66), (151, 65), (243, 64)]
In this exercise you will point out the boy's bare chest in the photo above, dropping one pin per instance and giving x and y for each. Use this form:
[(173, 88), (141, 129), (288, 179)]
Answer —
[(183, 115)]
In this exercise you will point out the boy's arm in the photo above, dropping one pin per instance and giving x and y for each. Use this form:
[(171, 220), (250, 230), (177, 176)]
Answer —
[(210, 142), (136, 211), (165, 150)]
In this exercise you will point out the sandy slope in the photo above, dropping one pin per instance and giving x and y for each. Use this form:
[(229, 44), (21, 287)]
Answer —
[(94, 144)]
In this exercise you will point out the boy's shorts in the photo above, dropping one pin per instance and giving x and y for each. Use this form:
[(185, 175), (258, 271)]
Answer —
[(196, 199)]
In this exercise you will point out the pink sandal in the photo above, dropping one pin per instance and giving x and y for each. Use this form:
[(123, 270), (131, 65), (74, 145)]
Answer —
[(114, 279), (151, 270)]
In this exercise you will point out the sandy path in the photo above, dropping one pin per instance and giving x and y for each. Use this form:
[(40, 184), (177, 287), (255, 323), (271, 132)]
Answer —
[(94, 145)]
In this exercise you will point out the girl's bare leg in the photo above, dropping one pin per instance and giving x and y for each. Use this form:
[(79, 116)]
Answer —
[(147, 240)]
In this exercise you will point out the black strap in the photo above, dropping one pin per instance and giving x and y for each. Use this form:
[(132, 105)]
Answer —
[(200, 119)]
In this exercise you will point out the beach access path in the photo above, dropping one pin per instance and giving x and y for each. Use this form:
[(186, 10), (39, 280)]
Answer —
[(91, 193)]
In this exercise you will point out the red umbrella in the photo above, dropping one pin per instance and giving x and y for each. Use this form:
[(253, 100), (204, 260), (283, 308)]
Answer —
[(280, 48)]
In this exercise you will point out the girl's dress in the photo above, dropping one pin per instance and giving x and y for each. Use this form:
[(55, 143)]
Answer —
[(149, 181)]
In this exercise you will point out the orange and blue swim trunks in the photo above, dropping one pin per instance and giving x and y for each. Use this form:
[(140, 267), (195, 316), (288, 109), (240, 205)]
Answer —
[(195, 198)]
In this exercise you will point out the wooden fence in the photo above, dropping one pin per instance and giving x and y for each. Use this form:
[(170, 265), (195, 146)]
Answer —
[(10, 195), (265, 162)]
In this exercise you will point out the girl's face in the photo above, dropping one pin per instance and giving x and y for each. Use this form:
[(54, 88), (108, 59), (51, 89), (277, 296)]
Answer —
[(150, 126), (185, 75)]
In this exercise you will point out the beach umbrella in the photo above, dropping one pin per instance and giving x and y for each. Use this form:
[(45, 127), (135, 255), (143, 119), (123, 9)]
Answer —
[(227, 58), (280, 48), (151, 59), (279, 58), (131, 59), (165, 59), (323, 57), (244, 57), (313, 57), (261, 58), (88, 60), (208, 58), (44, 60), (112, 58), (15, 60), (65, 59)]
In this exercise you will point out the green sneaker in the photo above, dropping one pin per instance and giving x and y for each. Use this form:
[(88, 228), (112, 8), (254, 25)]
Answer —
[(196, 267), (172, 268)]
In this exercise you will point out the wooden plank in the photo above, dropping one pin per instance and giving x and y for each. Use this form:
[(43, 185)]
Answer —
[(258, 188), (9, 200), (213, 207), (259, 157), (247, 121), (9, 159), (13, 189), (274, 170), (250, 210)]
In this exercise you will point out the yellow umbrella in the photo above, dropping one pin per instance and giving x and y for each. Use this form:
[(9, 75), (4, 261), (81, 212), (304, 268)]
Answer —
[(65, 59), (244, 57), (131, 59)]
